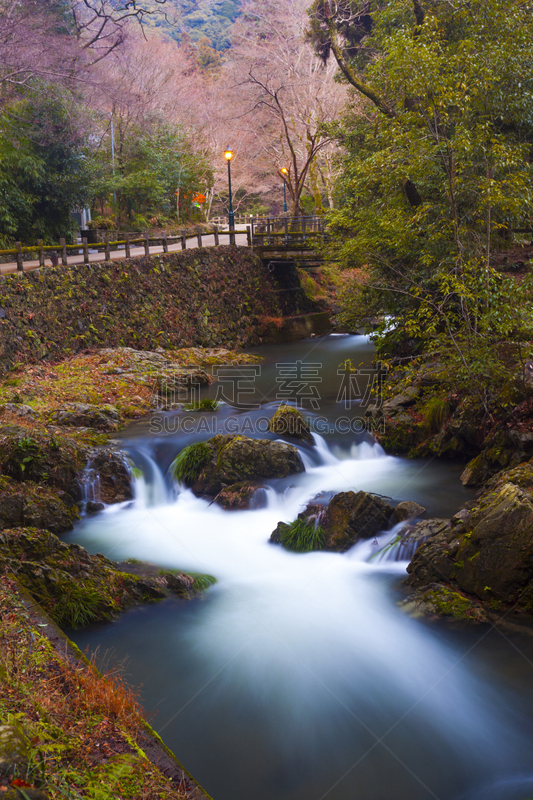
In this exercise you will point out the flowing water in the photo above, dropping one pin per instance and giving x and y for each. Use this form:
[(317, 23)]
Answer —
[(297, 676)]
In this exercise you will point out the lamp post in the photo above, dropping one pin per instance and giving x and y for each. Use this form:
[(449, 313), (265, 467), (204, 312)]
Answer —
[(228, 155), (284, 171)]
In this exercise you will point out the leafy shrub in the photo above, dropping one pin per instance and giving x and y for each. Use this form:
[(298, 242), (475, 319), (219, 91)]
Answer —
[(302, 536), (187, 466)]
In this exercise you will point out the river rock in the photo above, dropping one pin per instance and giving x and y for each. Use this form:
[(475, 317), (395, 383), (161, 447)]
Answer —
[(238, 459), (80, 415), (75, 588), (352, 516), (29, 505), (407, 509), (43, 458), (236, 497), (115, 477), (20, 410), (180, 583), (14, 752), (289, 421), (404, 399), (476, 472)]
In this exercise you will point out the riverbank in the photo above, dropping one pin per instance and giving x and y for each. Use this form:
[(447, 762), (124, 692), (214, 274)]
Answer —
[(67, 731)]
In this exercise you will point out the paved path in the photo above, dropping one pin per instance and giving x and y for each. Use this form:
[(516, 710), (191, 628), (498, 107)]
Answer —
[(208, 240)]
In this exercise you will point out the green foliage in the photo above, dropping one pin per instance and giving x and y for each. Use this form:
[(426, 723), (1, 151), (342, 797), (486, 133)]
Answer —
[(302, 536), (189, 463), (202, 405), (154, 159), (431, 189), (44, 172)]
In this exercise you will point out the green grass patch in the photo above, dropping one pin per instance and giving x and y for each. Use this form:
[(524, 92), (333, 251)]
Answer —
[(187, 466), (302, 537), (203, 405)]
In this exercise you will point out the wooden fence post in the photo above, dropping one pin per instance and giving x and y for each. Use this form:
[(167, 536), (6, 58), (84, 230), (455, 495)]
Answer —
[(63, 244), (128, 246), (199, 236), (20, 262), (41, 252), (85, 251), (107, 248), (216, 236), (146, 245), (165, 243), (183, 242)]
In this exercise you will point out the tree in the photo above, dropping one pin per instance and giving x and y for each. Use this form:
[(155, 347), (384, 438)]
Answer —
[(288, 88), (439, 171)]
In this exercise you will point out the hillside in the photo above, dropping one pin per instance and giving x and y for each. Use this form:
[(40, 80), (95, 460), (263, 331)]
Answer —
[(198, 19)]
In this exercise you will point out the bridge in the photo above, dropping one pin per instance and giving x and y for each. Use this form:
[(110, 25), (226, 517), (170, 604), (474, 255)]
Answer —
[(277, 240)]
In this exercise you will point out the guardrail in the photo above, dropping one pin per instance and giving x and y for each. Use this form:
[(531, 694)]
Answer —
[(61, 251)]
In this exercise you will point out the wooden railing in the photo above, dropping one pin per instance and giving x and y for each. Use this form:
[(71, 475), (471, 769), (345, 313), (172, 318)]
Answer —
[(63, 250)]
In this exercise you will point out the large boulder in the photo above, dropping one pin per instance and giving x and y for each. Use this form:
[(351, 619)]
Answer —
[(485, 551), (352, 516), (348, 518), (29, 505), (289, 421), (209, 467)]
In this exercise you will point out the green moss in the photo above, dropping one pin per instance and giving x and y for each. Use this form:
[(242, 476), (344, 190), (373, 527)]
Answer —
[(189, 463), (203, 405), (452, 604), (302, 536), (435, 412)]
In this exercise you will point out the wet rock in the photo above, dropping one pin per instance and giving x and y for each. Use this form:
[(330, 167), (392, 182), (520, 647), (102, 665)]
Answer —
[(352, 516), (476, 472), (42, 458), (440, 600), (407, 510), (75, 588), (14, 752), (237, 459), (93, 508), (29, 505), (237, 496), (180, 584), (289, 421), (115, 478), (79, 415), (434, 560)]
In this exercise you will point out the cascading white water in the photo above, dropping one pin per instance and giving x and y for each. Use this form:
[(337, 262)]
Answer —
[(90, 485), (308, 649)]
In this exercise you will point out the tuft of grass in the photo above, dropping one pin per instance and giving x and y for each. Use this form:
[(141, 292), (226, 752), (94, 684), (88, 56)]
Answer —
[(435, 413), (202, 582), (302, 536), (76, 606), (187, 466), (203, 405)]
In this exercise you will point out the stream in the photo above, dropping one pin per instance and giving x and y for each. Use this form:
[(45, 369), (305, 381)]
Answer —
[(297, 677)]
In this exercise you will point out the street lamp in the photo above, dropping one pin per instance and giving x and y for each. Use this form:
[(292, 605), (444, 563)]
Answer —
[(228, 155), (284, 171)]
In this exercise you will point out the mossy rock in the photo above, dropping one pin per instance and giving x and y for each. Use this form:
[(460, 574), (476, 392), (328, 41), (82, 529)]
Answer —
[(236, 497), (43, 458), (289, 421), (14, 752), (233, 459), (352, 516), (76, 415), (29, 505), (75, 588)]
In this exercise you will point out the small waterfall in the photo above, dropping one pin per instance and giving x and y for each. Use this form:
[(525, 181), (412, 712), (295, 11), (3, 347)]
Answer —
[(400, 547), (323, 450), (148, 482), (89, 480)]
